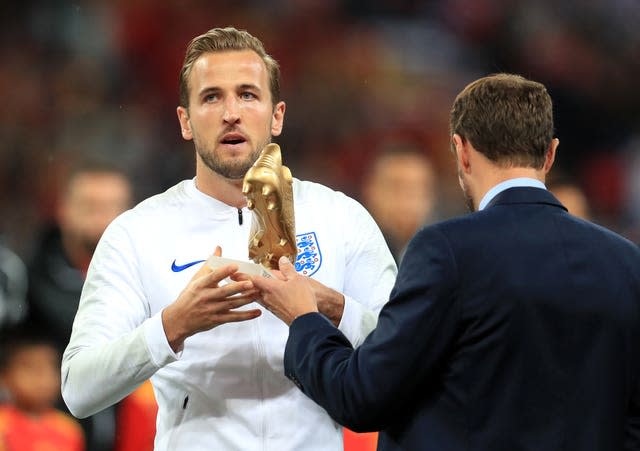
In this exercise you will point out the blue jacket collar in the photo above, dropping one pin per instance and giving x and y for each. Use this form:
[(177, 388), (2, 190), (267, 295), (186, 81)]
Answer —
[(525, 195)]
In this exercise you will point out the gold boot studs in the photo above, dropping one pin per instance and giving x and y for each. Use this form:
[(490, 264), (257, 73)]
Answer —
[(268, 188)]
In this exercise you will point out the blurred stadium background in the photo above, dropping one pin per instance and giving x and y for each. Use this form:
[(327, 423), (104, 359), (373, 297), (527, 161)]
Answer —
[(100, 77)]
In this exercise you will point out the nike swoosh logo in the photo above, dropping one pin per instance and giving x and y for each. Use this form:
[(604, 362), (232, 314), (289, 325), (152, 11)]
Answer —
[(178, 268)]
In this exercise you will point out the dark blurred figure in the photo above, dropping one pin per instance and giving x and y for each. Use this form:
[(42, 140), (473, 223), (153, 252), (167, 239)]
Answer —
[(94, 194), (399, 190), (30, 388), (13, 288)]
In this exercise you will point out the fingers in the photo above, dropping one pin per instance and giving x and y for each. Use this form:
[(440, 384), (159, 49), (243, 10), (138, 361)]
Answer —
[(277, 274), (213, 277), (231, 296), (239, 276), (245, 298), (262, 283), (238, 316), (231, 304), (233, 288), (205, 269), (222, 300), (286, 268)]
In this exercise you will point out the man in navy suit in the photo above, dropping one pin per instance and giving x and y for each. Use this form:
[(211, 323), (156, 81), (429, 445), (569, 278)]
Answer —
[(516, 327)]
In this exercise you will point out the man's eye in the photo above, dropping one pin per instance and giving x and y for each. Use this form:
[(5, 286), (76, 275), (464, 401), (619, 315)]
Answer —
[(211, 98), (247, 95)]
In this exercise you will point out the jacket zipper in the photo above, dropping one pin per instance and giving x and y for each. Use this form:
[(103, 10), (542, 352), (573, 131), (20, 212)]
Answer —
[(178, 423)]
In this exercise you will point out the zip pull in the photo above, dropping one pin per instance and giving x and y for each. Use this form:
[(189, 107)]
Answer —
[(239, 216)]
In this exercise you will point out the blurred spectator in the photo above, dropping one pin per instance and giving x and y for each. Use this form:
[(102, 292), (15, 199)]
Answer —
[(13, 288), (570, 194), (30, 380), (136, 420), (399, 190), (95, 193), (632, 184), (101, 75)]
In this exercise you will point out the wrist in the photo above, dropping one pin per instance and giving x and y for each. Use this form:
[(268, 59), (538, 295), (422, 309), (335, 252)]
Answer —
[(172, 330), (331, 305)]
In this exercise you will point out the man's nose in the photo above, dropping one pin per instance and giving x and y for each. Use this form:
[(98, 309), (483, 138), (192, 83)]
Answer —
[(231, 113)]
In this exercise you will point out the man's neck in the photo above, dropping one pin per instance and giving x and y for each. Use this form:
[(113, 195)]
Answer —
[(223, 189), (500, 175)]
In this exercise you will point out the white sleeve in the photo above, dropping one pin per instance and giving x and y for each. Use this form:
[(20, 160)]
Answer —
[(115, 344), (370, 273)]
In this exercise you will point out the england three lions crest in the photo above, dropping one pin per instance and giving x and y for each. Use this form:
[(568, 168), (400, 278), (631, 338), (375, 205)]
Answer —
[(309, 256)]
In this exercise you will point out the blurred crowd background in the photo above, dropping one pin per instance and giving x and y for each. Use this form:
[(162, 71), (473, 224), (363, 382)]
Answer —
[(368, 86), (100, 77)]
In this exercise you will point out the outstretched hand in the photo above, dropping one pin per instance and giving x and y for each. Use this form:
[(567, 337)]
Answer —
[(289, 297)]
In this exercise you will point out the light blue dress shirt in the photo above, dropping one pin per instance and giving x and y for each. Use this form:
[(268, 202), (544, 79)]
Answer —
[(512, 183)]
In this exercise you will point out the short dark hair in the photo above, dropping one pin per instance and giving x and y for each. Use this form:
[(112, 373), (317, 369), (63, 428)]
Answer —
[(507, 118), (16, 338), (95, 165)]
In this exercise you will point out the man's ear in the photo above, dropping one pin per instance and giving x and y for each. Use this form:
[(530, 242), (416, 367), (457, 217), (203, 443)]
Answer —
[(550, 157), (277, 118), (461, 147), (185, 126)]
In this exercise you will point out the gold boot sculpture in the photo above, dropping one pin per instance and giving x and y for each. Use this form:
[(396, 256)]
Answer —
[(268, 188)]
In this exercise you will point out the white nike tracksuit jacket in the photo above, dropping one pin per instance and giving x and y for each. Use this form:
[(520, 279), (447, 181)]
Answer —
[(226, 389)]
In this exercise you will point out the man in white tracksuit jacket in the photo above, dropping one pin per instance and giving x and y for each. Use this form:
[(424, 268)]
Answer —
[(151, 309)]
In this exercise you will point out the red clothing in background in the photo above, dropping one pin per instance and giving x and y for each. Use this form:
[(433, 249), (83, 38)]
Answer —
[(354, 441), (136, 420), (51, 431)]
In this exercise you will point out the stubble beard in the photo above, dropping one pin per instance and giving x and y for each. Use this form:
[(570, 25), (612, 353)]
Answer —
[(233, 170), (468, 201), (468, 198)]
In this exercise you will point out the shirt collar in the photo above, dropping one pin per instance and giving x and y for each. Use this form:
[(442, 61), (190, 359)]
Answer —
[(511, 183)]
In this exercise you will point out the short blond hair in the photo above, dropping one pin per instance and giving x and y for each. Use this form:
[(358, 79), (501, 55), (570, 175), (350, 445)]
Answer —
[(221, 40)]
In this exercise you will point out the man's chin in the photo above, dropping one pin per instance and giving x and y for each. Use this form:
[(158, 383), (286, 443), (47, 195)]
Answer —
[(230, 171), (234, 172), (229, 168), (235, 177)]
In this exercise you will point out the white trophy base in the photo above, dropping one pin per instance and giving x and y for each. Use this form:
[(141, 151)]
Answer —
[(249, 268)]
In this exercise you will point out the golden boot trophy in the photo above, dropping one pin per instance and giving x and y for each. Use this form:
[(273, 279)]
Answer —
[(268, 188)]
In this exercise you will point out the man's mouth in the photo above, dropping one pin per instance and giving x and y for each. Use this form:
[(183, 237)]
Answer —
[(232, 139)]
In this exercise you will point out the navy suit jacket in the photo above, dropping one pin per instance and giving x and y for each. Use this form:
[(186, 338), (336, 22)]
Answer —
[(513, 328)]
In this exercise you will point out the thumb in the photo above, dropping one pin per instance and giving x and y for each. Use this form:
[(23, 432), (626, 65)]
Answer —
[(205, 269), (286, 268)]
